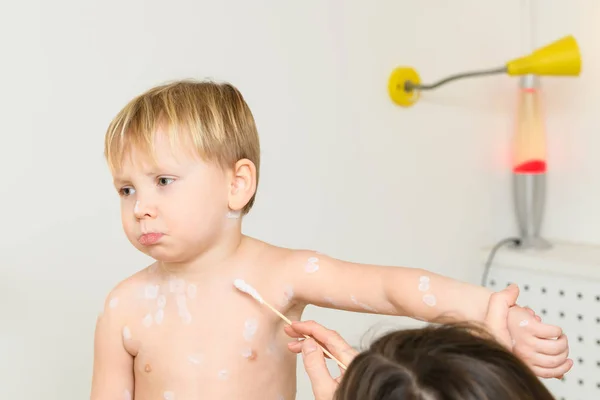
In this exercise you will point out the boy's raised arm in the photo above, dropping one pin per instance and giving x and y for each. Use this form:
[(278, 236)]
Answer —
[(387, 290)]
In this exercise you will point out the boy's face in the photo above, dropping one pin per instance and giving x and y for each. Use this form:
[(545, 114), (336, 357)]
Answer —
[(175, 208)]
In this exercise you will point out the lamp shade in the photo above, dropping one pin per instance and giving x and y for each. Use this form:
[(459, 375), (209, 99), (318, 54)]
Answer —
[(561, 58)]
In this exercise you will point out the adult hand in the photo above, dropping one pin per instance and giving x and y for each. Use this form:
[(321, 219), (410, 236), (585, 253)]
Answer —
[(323, 384), (496, 318)]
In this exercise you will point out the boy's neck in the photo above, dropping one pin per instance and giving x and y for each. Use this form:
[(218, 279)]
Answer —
[(216, 257)]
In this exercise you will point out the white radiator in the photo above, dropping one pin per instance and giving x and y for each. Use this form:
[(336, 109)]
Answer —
[(562, 285)]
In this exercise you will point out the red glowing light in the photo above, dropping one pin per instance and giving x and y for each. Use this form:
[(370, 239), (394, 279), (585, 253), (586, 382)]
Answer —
[(531, 167)]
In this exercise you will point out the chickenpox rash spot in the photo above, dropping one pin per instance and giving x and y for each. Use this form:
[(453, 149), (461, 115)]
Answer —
[(147, 321), (249, 354), (195, 359), (430, 300), (250, 328), (223, 374), (312, 265), (159, 316), (168, 395), (234, 214), (176, 285), (126, 333), (114, 302), (151, 291), (362, 305)]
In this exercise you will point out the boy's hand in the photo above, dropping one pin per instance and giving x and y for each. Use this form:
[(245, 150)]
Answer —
[(544, 348)]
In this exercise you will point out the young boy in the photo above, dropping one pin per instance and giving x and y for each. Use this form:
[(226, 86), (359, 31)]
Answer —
[(185, 162)]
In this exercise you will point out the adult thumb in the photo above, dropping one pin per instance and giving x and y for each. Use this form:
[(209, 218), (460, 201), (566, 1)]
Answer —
[(323, 384), (500, 302)]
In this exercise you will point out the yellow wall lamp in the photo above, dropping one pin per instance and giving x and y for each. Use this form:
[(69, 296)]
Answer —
[(560, 58)]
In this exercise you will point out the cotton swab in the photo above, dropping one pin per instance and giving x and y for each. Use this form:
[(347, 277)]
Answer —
[(242, 286)]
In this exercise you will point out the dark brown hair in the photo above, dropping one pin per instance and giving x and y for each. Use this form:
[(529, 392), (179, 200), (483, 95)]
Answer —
[(439, 362)]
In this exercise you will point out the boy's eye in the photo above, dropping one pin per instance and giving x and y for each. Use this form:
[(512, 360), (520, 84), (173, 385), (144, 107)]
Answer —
[(162, 181), (126, 191)]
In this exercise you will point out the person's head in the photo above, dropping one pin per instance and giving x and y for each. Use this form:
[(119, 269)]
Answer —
[(445, 362), (185, 160)]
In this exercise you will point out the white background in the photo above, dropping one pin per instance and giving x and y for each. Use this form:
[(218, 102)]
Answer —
[(344, 171)]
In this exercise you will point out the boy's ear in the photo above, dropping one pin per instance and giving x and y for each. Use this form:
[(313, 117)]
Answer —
[(243, 184)]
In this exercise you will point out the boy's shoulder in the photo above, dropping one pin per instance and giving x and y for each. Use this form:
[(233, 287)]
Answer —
[(288, 260), (121, 294)]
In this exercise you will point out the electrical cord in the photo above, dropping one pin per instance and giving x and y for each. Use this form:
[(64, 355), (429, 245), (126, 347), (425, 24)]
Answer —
[(409, 86), (488, 264)]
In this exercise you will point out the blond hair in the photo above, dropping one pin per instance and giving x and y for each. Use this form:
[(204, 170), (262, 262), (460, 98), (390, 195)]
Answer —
[(213, 117)]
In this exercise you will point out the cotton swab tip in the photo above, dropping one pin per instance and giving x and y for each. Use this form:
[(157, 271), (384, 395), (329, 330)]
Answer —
[(242, 286)]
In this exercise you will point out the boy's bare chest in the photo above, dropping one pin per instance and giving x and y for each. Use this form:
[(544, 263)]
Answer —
[(196, 342)]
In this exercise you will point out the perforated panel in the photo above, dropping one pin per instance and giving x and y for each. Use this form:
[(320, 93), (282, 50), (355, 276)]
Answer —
[(574, 305)]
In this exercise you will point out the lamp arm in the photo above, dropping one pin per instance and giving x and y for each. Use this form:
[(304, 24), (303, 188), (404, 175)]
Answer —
[(409, 86)]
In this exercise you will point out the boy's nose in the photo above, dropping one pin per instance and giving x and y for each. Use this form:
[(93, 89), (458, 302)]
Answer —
[(143, 210)]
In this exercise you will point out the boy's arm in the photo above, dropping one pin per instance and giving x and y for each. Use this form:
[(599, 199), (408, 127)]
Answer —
[(113, 365), (416, 293)]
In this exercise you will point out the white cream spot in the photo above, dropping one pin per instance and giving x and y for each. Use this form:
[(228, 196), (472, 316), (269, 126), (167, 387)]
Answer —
[(168, 395), (424, 279), (513, 342), (161, 302), (250, 328), (362, 305), (234, 214), (181, 301), (126, 333), (280, 397), (113, 302), (288, 295), (159, 316), (223, 374), (312, 265), (176, 285), (192, 289), (126, 395), (136, 208), (524, 323), (195, 358), (423, 286), (186, 317), (331, 301), (247, 353), (147, 321), (289, 292), (429, 299), (151, 291)]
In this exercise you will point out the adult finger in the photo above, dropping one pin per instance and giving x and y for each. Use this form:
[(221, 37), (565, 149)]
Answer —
[(323, 385), (331, 340), (496, 318), (291, 332)]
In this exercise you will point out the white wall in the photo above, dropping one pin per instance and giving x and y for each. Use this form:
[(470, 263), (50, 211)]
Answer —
[(424, 187)]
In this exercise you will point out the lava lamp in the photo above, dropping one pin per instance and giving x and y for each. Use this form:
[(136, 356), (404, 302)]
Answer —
[(529, 163)]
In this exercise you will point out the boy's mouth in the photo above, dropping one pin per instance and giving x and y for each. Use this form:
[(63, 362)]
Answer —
[(148, 239)]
